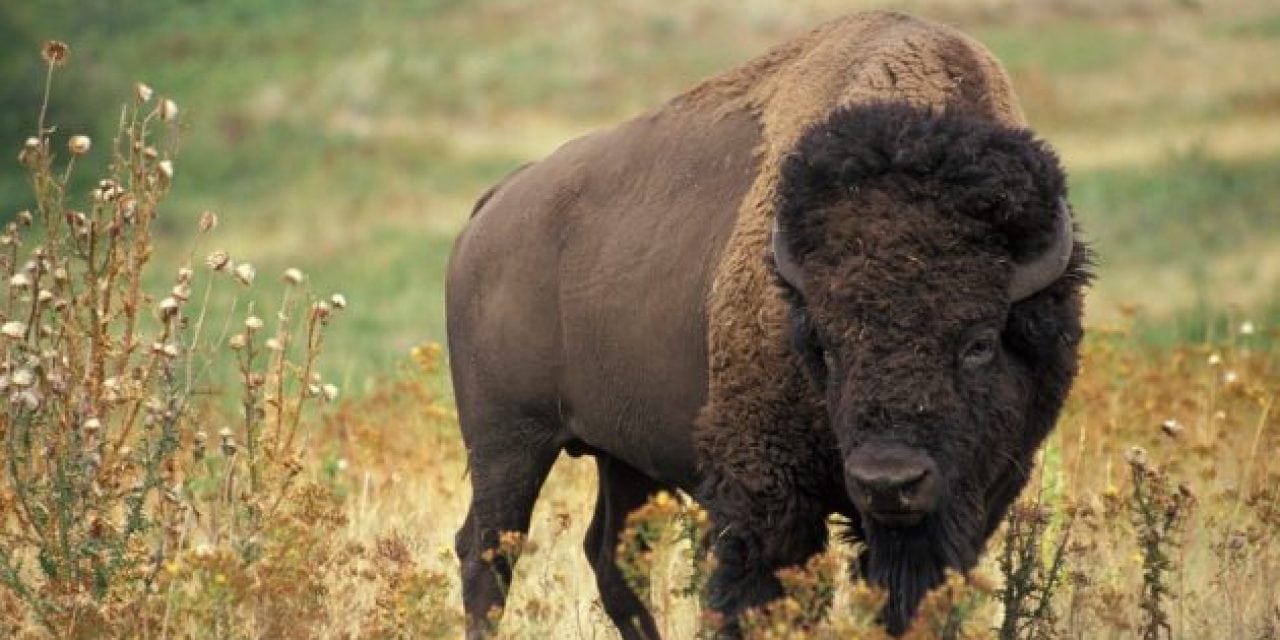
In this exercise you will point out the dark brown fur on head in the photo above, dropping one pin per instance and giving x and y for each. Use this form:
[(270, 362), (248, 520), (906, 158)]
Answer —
[(906, 225)]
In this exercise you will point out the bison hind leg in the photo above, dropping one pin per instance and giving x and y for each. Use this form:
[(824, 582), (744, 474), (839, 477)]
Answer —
[(622, 490), (506, 476)]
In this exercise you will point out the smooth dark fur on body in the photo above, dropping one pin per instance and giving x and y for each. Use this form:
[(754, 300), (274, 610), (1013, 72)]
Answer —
[(865, 304)]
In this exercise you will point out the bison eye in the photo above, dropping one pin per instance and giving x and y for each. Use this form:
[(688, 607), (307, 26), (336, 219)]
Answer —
[(980, 350)]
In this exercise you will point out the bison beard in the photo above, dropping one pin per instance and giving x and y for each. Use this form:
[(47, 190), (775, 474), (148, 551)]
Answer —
[(908, 562)]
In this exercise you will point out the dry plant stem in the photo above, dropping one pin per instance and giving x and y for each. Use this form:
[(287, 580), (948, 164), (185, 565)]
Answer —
[(35, 301), (168, 601), (139, 253), (13, 263), (131, 418), (314, 336), (27, 513), (227, 323), (281, 360), (228, 494), (1252, 458), (197, 332), (66, 173), (249, 401), (44, 101), (137, 257)]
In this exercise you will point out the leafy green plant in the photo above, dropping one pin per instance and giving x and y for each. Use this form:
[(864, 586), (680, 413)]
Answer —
[(1159, 512), (1031, 576)]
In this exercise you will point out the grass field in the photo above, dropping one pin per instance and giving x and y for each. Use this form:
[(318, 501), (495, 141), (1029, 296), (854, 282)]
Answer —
[(349, 140)]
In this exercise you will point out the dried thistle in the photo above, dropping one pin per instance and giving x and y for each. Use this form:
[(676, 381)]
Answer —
[(244, 273), (217, 260), (208, 221), (96, 482), (55, 53), (79, 145), (168, 110)]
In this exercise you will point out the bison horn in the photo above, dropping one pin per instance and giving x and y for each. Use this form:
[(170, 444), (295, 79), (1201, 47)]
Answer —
[(1028, 279), (782, 260), (1042, 271)]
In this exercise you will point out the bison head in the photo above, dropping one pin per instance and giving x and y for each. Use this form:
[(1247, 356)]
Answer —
[(934, 285)]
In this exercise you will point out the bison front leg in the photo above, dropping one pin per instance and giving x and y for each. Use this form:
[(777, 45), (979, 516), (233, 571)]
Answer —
[(769, 475), (759, 528)]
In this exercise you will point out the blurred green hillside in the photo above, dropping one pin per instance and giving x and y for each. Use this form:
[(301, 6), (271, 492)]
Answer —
[(349, 138)]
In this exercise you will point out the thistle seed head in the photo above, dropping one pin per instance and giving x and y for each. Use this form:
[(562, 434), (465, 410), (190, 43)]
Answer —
[(1136, 456), (217, 260), (168, 308), (165, 170), (55, 52), (208, 221), (244, 272), (79, 144), (321, 310), (168, 110), (30, 151), (15, 329), (23, 378)]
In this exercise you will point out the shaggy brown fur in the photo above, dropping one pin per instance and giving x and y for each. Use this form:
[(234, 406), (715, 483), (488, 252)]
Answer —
[(876, 56), (903, 223), (764, 449)]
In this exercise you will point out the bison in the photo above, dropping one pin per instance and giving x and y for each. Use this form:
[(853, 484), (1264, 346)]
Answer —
[(840, 279)]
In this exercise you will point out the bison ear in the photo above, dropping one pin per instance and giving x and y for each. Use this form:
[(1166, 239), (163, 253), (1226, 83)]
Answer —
[(785, 265), (1043, 270), (803, 339)]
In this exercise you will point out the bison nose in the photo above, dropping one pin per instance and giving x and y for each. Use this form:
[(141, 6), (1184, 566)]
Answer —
[(893, 486)]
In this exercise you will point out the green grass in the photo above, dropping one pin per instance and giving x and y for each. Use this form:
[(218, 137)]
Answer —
[(1265, 26), (1067, 47), (392, 280), (1206, 324), (349, 140), (1179, 213)]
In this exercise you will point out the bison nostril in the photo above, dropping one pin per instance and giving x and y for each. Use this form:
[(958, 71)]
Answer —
[(897, 481), (895, 489)]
